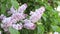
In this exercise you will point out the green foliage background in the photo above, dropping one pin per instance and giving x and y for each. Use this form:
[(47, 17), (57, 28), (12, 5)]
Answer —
[(50, 21)]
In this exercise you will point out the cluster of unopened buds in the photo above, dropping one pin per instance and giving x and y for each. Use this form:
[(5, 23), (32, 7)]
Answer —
[(17, 16)]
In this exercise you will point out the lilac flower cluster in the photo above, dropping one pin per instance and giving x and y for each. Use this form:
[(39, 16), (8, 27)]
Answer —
[(18, 15)]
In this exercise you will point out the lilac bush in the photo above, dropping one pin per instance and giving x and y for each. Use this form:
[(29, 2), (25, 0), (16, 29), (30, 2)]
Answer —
[(18, 15), (28, 16)]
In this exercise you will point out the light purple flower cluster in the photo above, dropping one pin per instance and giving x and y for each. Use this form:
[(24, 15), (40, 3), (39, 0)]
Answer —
[(35, 16), (18, 15)]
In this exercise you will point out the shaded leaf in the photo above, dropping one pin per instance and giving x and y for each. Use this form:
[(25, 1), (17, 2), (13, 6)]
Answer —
[(13, 31)]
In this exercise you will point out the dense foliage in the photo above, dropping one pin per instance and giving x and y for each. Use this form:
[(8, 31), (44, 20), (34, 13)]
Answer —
[(49, 22)]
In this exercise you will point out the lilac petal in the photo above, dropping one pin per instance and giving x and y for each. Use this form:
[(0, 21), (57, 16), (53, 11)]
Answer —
[(18, 16), (2, 17), (7, 22), (31, 12), (12, 10), (29, 25), (4, 27), (27, 21), (20, 26), (22, 8), (17, 26)]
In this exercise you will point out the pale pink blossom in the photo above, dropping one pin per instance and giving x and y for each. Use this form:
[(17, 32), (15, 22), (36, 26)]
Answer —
[(13, 21), (37, 14), (31, 12), (12, 10), (20, 26), (29, 25), (6, 23), (22, 8), (27, 21), (2, 17), (9, 21), (4, 26), (9, 12), (17, 26), (6, 20), (18, 16)]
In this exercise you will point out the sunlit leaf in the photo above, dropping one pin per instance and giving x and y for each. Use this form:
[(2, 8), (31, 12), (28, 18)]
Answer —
[(15, 4), (56, 28)]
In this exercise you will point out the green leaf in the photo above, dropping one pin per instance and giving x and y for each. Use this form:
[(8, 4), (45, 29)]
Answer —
[(15, 4), (55, 28), (9, 4), (3, 9), (2, 0), (13, 31), (24, 31), (58, 2), (44, 18), (40, 29)]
